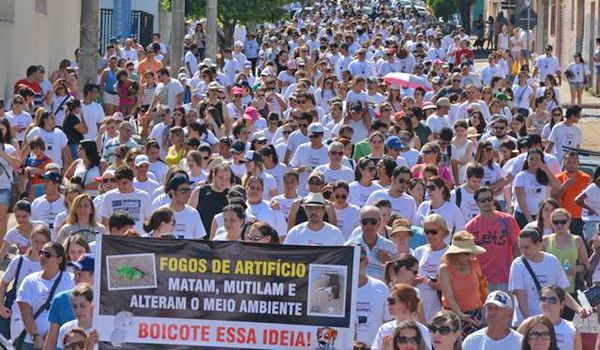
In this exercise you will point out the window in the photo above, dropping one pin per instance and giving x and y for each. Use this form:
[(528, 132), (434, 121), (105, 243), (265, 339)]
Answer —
[(7, 10), (41, 6)]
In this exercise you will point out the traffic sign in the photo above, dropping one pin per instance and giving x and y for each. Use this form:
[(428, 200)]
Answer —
[(527, 19)]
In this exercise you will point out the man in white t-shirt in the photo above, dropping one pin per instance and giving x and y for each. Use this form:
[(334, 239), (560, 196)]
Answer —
[(191, 62), (334, 170), (46, 207), (547, 269), (439, 119), (371, 303), (315, 231), (497, 335), (134, 202), (309, 155), (402, 203), (168, 91), (188, 223), (91, 111), (547, 65), (565, 133), (463, 195)]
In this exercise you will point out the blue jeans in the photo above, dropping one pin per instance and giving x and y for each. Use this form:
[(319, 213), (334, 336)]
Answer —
[(74, 150)]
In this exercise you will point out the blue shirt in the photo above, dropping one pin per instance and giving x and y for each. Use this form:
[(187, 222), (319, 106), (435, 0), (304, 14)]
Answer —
[(418, 238), (61, 310), (375, 268)]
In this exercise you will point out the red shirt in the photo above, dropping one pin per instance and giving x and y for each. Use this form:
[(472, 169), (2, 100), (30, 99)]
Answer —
[(497, 236), (461, 54), (35, 86)]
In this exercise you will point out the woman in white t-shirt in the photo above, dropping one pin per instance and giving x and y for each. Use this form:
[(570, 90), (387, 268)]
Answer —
[(430, 256), (20, 235), (578, 75), (403, 304), (255, 167), (503, 39), (589, 200), (272, 166), (439, 203), (56, 141), (531, 186), (347, 215), (552, 302), (361, 189), (30, 262), (234, 224)]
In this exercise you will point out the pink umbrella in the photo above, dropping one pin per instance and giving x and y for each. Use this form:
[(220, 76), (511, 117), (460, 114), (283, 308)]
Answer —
[(407, 81)]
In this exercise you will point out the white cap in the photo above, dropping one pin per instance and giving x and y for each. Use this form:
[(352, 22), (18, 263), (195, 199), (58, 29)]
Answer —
[(141, 159), (188, 37), (315, 128), (500, 299)]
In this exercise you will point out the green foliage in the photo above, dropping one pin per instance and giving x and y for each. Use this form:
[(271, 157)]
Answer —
[(443, 8), (244, 11)]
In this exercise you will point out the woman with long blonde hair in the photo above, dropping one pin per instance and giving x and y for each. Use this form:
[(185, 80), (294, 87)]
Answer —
[(81, 219)]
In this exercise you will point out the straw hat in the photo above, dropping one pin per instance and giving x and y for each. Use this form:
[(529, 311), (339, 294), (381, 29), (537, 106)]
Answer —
[(400, 226), (472, 132), (465, 246)]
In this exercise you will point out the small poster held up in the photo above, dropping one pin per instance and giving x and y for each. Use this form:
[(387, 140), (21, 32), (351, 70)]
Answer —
[(176, 294)]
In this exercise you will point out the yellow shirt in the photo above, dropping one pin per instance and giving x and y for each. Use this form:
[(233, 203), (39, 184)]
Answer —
[(173, 156)]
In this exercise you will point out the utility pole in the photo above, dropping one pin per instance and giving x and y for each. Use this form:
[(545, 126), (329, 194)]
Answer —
[(211, 30), (177, 26), (88, 42)]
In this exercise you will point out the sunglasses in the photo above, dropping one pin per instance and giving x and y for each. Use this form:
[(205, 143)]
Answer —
[(315, 182), (407, 340), (391, 301), (341, 196), (184, 190), (560, 222), (549, 300), (431, 188), (254, 238), (334, 153), (301, 101), (539, 335), (403, 181), (369, 221), (303, 125), (430, 232), (485, 200), (443, 330), (111, 180), (46, 254)]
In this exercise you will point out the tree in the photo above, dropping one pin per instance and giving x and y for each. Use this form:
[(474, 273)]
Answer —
[(442, 8), (232, 12)]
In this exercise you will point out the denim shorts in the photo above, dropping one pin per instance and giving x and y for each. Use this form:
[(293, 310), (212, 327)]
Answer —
[(576, 86), (5, 196), (597, 69)]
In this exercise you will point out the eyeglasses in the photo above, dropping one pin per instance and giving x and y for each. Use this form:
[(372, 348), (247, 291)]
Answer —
[(443, 330), (560, 222), (46, 254), (485, 200), (254, 238), (315, 136), (340, 196), (75, 345), (315, 182), (407, 340), (431, 187), (533, 335), (403, 181), (428, 152), (430, 232), (301, 101), (369, 221), (184, 190), (110, 180), (334, 153), (549, 300), (261, 95), (455, 80)]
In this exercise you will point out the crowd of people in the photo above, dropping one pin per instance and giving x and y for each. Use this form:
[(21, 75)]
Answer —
[(476, 224)]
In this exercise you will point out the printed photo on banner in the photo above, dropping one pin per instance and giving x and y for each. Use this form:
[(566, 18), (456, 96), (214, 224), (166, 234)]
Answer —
[(131, 271), (326, 290)]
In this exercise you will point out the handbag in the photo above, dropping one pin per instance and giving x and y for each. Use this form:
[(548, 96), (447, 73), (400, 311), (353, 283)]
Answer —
[(18, 342), (593, 295), (9, 299)]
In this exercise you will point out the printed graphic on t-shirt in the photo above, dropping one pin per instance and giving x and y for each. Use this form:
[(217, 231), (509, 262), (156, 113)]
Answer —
[(130, 206)]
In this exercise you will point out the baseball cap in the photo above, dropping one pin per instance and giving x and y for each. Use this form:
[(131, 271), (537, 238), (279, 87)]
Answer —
[(141, 159), (291, 64), (500, 299), (251, 114), (84, 263), (464, 64), (253, 156), (428, 105), (393, 142), (237, 147), (177, 181), (315, 128), (443, 102), (182, 76), (524, 142), (52, 176), (258, 136), (502, 96), (314, 199), (237, 91), (356, 106), (107, 172)]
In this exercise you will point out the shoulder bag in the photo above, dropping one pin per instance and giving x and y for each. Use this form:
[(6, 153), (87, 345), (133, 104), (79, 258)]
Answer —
[(9, 299)]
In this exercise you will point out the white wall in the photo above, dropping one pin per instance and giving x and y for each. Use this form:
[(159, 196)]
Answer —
[(35, 38)]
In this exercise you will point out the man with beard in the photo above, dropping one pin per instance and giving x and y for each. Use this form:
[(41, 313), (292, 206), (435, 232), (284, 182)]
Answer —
[(315, 231)]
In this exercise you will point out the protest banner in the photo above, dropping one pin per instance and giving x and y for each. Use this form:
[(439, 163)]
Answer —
[(182, 294)]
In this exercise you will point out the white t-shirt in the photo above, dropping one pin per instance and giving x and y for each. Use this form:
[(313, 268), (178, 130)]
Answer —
[(263, 212), (429, 263), (188, 224), (310, 157), (137, 204), (522, 95), (148, 186), (388, 328), (343, 173), (468, 205), (348, 219), (328, 235), (563, 135), (285, 204), (479, 340), (455, 220), (548, 271), (436, 123), (93, 115), (535, 192), (21, 121), (404, 205), (411, 156), (593, 200), (35, 291), (360, 130), (6, 170), (55, 141), (277, 173), (359, 193), (192, 61), (28, 267), (173, 88), (21, 240), (547, 66), (159, 169), (371, 309), (43, 210)]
